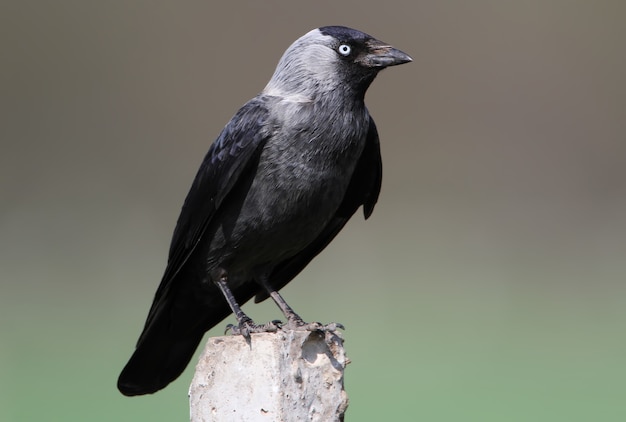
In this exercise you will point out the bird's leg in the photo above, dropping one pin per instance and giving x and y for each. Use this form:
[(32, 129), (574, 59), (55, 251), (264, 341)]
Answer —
[(294, 321), (245, 324)]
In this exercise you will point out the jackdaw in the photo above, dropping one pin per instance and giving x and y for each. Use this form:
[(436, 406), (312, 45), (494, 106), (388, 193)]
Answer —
[(281, 180)]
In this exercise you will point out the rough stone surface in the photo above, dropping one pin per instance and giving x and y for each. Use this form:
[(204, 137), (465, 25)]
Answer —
[(283, 376)]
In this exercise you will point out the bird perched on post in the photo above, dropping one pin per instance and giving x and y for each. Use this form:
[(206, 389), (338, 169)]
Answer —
[(281, 180)]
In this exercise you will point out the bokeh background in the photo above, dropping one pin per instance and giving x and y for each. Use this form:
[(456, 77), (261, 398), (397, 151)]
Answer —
[(489, 285)]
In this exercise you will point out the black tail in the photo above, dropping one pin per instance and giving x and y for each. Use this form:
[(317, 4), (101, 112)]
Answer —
[(174, 328), (161, 356)]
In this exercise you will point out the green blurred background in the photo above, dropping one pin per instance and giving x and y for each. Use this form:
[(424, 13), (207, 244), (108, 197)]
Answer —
[(487, 286)]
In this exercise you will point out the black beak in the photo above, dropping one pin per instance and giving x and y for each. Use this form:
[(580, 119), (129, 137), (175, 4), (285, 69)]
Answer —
[(381, 55)]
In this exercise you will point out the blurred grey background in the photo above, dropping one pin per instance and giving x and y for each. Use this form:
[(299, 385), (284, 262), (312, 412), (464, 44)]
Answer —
[(487, 286)]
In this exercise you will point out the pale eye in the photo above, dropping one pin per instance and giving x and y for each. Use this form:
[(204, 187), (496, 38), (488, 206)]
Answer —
[(344, 49)]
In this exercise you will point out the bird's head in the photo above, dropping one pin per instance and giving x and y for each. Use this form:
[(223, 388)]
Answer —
[(332, 58)]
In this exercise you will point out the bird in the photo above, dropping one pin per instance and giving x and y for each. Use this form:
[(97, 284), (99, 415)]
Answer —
[(277, 185)]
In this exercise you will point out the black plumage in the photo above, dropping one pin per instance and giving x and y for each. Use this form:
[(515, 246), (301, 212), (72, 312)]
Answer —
[(278, 184)]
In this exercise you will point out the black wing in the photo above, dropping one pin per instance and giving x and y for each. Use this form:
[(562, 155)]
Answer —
[(171, 335), (363, 190), (230, 155)]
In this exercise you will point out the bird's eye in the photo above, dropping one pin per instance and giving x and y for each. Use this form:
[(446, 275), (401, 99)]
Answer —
[(344, 49)]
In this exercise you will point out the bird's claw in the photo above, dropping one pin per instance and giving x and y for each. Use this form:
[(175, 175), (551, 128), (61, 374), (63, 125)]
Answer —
[(299, 325), (333, 326), (247, 327)]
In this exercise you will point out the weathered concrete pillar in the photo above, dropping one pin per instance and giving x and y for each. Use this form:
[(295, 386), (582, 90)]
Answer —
[(283, 376)]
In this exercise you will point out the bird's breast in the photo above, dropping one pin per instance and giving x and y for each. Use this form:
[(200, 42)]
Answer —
[(300, 181), (304, 179)]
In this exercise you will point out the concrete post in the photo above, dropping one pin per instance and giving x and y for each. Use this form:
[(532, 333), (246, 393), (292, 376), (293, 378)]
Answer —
[(284, 376)]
